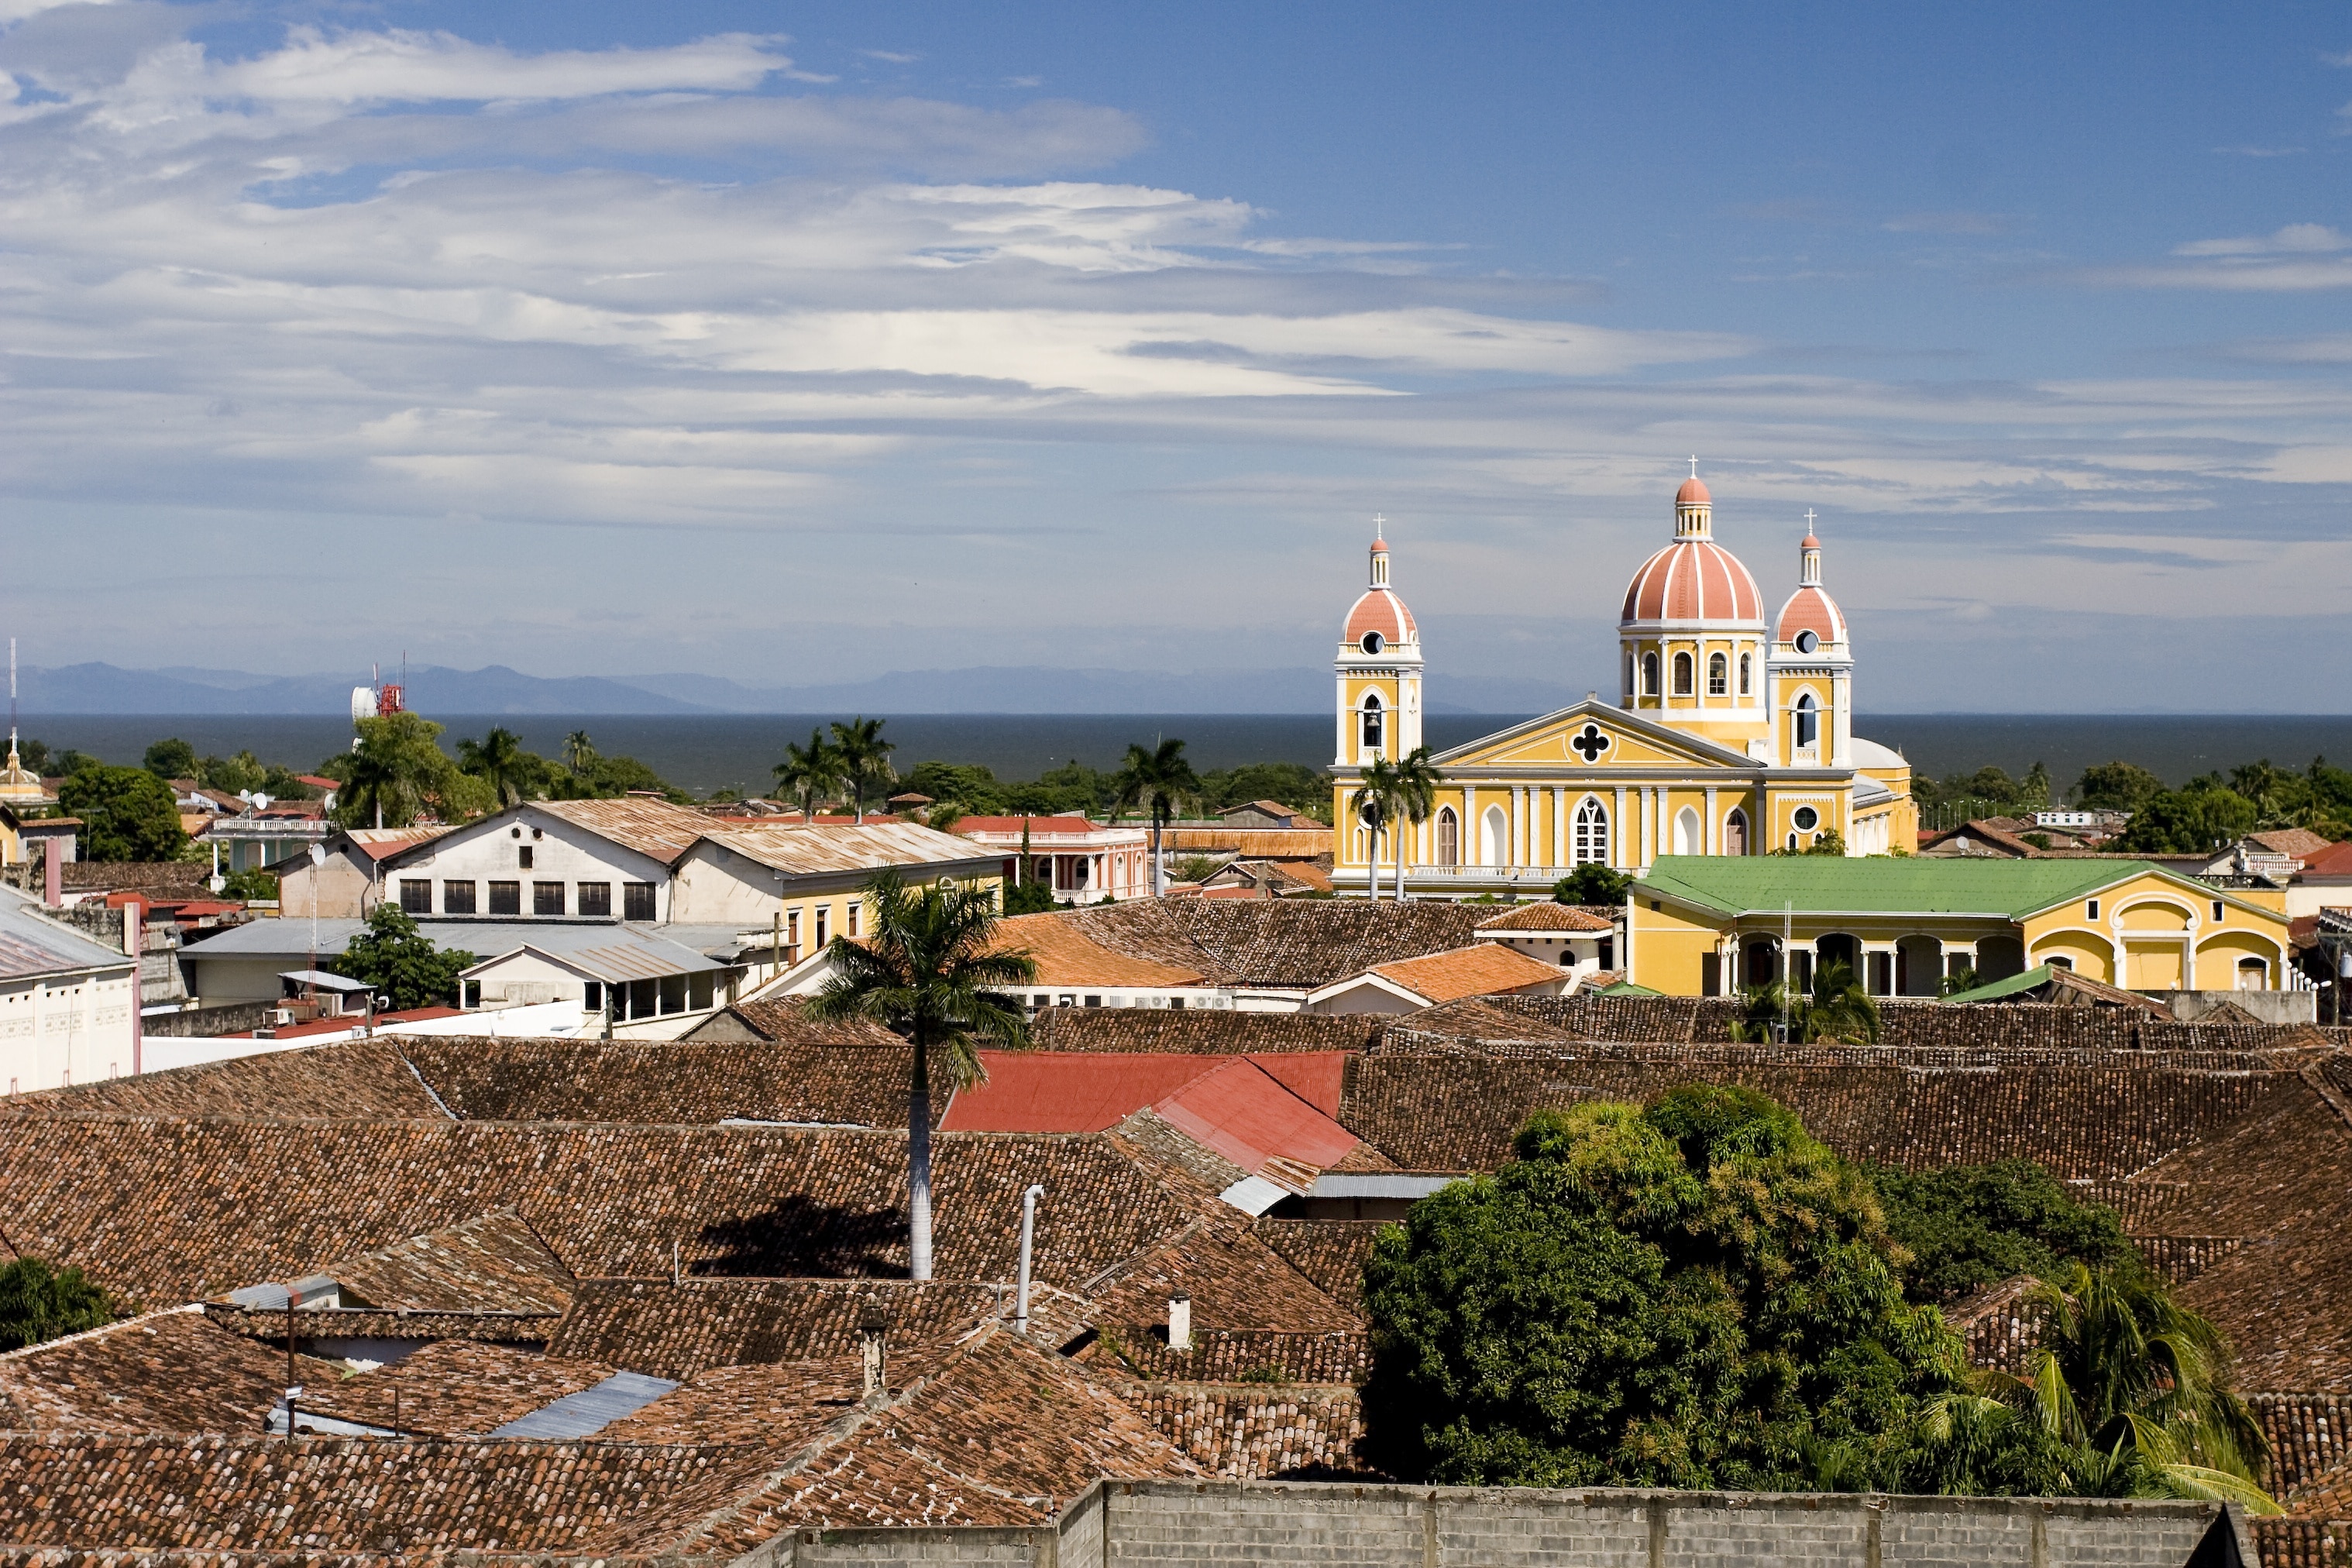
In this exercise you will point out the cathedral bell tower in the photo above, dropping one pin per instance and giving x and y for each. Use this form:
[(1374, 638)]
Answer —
[(1378, 670)]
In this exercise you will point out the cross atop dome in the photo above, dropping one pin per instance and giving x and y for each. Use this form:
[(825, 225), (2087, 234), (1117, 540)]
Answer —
[(1693, 508)]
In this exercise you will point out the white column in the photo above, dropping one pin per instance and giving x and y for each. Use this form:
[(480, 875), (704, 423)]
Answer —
[(1711, 835), (1559, 826), (1473, 840), (1618, 830)]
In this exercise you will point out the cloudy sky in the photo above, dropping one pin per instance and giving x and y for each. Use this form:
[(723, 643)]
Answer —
[(801, 343)]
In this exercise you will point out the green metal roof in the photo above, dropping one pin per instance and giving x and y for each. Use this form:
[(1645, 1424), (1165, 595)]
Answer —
[(2027, 980), (1828, 884), (1627, 988)]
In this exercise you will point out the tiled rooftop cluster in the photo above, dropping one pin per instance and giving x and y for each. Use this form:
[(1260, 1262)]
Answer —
[(1280, 942), (1219, 1031)]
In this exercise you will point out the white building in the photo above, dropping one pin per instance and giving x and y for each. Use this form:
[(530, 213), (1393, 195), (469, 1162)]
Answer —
[(67, 1014), (1082, 860)]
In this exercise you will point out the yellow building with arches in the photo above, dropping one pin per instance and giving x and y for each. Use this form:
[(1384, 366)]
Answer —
[(1732, 734)]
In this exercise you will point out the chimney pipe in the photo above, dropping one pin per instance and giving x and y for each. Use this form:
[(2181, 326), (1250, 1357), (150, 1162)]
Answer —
[(873, 1329), (1028, 1229), (1179, 1321)]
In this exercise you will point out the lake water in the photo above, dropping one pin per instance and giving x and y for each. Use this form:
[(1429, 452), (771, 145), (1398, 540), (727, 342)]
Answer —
[(701, 752)]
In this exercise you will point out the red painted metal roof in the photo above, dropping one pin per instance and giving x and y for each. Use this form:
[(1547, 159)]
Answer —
[(1250, 1109)]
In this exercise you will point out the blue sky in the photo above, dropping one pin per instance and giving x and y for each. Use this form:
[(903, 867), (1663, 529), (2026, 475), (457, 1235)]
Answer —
[(802, 342)]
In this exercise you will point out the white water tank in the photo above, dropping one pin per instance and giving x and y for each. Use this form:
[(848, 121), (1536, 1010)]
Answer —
[(363, 703)]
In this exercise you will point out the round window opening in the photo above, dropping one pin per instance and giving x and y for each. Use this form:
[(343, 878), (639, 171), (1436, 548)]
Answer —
[(1373, 642), (1807, 642), (1806, 819)]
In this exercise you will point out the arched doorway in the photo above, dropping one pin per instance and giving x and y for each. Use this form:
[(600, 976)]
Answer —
[(1449, 837), (1494, 838), (1918, 967), (1734, 833), (1760, 961), (1686, 832), (1809, 722), (1839, 948), (2000, 957)]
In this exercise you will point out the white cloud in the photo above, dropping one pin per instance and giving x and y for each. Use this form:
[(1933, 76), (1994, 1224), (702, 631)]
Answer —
[(400, 67), (17, 10), (1959, 223), (2295, 239), (2298, 258)]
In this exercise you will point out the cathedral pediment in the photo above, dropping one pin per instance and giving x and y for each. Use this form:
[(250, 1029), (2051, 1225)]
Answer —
[(1595, 735)]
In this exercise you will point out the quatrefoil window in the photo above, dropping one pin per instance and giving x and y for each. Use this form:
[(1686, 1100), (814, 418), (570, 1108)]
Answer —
[(1589, 743)]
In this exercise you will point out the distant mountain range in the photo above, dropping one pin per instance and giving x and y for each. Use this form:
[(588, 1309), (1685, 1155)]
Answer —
[(494, 688)]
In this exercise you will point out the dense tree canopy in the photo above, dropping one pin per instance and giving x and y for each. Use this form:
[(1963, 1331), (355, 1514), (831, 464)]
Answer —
[(402, 962), (1697, 1294), (126, 814), (1970, 1226), (41, 1301), (171, 759)]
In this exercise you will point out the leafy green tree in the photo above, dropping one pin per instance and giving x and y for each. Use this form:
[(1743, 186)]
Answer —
[(1591, 883), (242, 773), (2190, 820), (171, 759), (70, 762), (512, 773), (1836, 1006), (1966, 1226), (1162, 784), (808, 773), (862, 757), (1292, 783), (394, 772), (1697, 1295), (39, 1301), (930, 968), (1413, 795), (2116, 786), (33, 756), (1379, 804), (579, 752), (2139, 1387), (126, 814), (402, 962), (968, 784), (1029, 897), (253, 882), (609, 778)]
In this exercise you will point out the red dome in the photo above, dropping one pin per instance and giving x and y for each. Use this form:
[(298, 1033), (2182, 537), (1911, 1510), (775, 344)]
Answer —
[(1380, 610), (1693, 493), (1809, 609), (1694, 580)]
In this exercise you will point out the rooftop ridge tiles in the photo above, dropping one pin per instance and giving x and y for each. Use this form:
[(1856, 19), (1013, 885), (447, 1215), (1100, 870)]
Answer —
[(25, 1353)]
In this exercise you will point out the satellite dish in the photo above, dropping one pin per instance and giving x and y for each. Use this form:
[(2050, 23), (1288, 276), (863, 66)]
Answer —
[(363, 703), (260, 801), (318, 854)]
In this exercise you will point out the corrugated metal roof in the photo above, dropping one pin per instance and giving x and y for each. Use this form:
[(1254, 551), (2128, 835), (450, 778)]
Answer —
[(605, 951), (32, 945), (801, 851), (591, 1409), (652, 827)]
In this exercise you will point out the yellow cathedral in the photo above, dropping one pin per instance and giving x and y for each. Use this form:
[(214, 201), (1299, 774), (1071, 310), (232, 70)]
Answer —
[(1731, 735)]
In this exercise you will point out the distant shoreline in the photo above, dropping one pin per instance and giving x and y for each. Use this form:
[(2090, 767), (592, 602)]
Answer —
[(703, 751)]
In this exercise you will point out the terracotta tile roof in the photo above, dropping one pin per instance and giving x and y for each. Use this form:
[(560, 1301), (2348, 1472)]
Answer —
[(1284, 944), (1221, 1031), (454, 1388), (686, 1329), (1552, 917), (183, 877), (2300, 842), (1066, 953), (357, 1079), (786, 1018), (1330, 1253), (799, 851), (240, 1495), (1235, 1280), (529, 1329), (1035, 825), (496, 1263), (1484, 969), (2310, 1435), (1250, 1432), (812, 1083), (165, 1210), (781, 1407), (651, 827), (1242, 1355), (167, 1372)]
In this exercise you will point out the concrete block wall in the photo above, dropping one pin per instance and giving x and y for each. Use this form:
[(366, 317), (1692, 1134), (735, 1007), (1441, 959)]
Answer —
[(1325, 1525)]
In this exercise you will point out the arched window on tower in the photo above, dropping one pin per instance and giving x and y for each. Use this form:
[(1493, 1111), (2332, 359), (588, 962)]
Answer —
[(1682, 675), (1449, 837), (1745, 685), (1719, 676), (1649, 675), (1809, 722), (1373, 722), (1591, 844)]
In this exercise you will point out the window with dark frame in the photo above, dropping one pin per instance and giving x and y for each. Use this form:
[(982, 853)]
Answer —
[(1719, 676), (637, 900), (416, 895), (457, 899), (506, 897), (547, 897), (596, 898), (522, 858), (1682, 675)]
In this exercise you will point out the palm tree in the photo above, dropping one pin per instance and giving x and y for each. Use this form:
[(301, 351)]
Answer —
[(1163, 783), (394, 767), (1841, 1007), (864, 757), (928, 969), (809, 773), (2139, 1387), (1379, 804), (1416, 799), (499, 761), (578, 752)]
